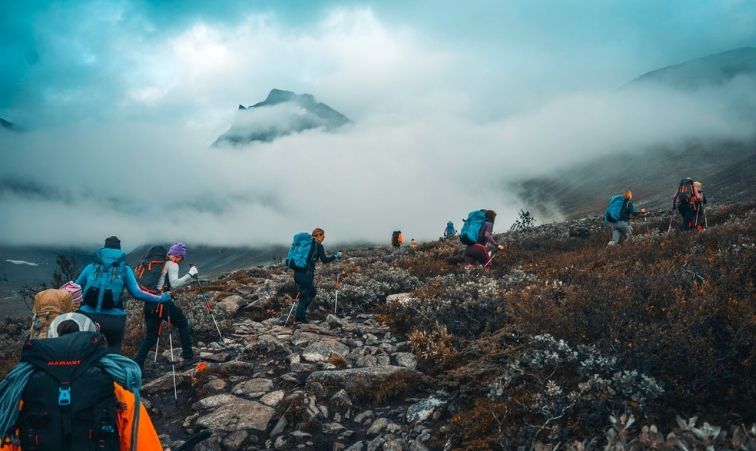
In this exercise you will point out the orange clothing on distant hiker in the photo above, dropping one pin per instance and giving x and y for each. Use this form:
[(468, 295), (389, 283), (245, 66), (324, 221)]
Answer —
[(147, 438)]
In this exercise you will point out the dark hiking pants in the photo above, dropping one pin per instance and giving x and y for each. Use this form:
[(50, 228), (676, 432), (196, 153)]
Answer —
[(173, 314), (112, 327), (688, 217), (306, 285)]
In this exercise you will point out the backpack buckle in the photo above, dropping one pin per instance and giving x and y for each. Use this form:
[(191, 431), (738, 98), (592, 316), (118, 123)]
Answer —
[(64, 396)]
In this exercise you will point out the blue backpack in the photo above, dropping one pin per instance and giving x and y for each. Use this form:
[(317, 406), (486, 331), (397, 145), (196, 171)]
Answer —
[(473, 225), (299, 251), (104, 286), (614, 210)]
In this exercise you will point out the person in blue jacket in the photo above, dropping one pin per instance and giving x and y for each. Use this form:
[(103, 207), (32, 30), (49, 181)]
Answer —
[(103, 282)]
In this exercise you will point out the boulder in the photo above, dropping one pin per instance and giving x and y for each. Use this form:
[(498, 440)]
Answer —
[(240, 414), (321, 351), (378, 382)]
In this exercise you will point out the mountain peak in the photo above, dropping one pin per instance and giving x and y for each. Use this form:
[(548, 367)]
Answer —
[(281, 113)]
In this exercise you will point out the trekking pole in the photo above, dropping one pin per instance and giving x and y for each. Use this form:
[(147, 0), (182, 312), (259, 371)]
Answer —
[(669, 229), (493, 254), (706, 222), (293, 303), (173, 365), (208, 306), (159, 332), (338, 283)]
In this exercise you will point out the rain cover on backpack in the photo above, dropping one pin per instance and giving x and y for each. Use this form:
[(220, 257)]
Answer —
[(472, 227), (299, 251), (614, 210), (104, 286), (48, 305)]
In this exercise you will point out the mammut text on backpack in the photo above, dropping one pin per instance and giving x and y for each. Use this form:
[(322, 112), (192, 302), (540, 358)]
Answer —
[(69, 402), (148, 271), (299, 251), (470, 233)]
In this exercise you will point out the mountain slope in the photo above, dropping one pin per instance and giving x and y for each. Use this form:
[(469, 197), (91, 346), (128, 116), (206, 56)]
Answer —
[(281, 113), (710, 70)]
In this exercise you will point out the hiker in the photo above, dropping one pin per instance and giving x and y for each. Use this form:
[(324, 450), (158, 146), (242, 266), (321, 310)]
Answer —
[(303, 255), (68, 393), (75, 290), (701, 222), (477, 233), (450, 231), (686, 201), (48, 304), (618, 213), (158, 273), (104, 281), (413, 244), (397, 240)]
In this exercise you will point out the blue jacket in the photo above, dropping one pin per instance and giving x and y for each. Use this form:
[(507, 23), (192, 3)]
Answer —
[(107, 257)]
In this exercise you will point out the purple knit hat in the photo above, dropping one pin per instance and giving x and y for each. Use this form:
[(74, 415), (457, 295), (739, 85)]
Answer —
[(178, 250)]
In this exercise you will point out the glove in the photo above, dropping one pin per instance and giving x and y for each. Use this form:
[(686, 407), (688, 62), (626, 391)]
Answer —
[(193, 271), (165, 297), (337, 255)]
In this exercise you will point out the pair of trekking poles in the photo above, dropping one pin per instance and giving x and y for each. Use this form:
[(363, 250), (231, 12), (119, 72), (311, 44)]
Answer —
[(335, 303), (698, 211)]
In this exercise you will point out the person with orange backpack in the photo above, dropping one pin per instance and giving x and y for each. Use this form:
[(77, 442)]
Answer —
[(158, 272), (687, 201), (397, 239), (68, 393)]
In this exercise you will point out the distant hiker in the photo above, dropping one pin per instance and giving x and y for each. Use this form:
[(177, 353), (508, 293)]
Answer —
[(397, 240), (304, 253), (687, 201), (68, 393), (477, 233), (413, 244), (158, 273), (450, 231), (104, 282), (701, 221), (618, 213)]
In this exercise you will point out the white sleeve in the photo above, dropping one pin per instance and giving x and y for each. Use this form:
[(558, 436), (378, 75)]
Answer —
[(174, 279)]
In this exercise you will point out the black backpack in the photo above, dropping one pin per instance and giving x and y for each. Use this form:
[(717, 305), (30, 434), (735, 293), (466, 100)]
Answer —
[(148, 271), (685, 191), (69, 402)]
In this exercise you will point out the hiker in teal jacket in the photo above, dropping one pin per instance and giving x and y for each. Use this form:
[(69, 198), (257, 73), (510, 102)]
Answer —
[(103, 282), (620, 227), (305, 278)]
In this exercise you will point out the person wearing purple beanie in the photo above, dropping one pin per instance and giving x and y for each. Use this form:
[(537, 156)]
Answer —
[(169, 311)]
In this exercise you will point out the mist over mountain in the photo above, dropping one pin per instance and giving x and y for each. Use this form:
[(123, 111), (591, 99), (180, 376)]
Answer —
[(709, 70), (726, 165), (280, 114)]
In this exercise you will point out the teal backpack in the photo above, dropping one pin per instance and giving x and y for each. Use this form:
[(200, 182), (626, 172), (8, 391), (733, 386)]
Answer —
[(614, 210), (103, 289), (472, 227), (299, 251)]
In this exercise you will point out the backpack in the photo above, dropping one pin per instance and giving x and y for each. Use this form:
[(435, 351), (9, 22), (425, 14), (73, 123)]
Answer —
[(104, 286), (685, 191), (472, 226), (148, 271), (300, 250), (396, 238), (614, 210), (48, 305), (69, 400)]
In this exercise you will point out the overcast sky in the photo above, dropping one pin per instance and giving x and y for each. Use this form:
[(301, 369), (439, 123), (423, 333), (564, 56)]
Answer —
[(120, 101)]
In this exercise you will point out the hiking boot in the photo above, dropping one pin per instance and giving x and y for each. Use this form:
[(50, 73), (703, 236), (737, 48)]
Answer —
[(190, 361)]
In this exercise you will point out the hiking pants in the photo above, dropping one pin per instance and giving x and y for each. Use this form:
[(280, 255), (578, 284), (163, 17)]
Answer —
[(688, 217), (173, 314), (476, 253), (306, 285), (112, 327), (620, 229)]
